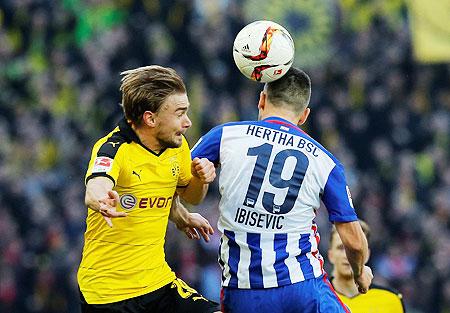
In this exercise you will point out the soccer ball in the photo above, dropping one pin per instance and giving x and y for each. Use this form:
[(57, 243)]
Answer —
[(263, 51)]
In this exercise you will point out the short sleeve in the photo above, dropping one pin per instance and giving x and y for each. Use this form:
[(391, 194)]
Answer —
[(106, 159), (209, 146), (185, 165), (337, 197)]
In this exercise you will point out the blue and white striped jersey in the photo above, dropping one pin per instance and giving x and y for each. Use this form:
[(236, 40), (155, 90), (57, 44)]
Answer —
[(272, 178)]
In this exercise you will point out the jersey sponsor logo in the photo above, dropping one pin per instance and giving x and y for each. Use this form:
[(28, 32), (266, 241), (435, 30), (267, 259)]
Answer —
[(102, 165), (349, 195), (128, 201), (154, 202)]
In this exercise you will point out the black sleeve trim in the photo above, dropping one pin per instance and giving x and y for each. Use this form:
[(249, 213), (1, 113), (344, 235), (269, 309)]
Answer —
[(93, 175)]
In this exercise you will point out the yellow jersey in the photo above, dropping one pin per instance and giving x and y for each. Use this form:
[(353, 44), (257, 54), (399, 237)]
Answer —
[(128, 260), (377, 300)]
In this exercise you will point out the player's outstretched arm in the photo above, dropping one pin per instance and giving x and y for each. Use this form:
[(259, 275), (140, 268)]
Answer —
[(190, 223), (203, 172), (356, 249), (101, 198)]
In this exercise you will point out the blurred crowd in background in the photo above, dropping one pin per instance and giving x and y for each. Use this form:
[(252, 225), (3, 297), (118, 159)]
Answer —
[(384, 115)]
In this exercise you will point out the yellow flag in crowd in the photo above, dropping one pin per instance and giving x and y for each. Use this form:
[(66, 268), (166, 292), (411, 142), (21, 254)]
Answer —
[(430, 28)]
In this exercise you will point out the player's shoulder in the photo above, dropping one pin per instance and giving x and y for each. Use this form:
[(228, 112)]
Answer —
[(110, 144), (385, 290), (389, 294)]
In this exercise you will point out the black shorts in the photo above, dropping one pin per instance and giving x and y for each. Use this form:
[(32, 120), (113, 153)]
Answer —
[(176, 297)]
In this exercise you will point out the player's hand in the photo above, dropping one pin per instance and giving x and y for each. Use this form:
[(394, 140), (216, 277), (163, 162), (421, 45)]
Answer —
[(108, 207), (204, 170), (196, 224), (364, 280)]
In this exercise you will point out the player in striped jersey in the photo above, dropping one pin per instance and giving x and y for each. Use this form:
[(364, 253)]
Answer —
[(272, 178)]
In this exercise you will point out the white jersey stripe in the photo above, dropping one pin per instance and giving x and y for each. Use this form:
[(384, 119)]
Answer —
[(244, 260), (268, 260), (293, 250), (224, 255)]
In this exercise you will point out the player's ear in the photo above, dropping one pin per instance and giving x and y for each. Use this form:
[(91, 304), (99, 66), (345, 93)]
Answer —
[(149, 118), (262, 100), (304, 116)]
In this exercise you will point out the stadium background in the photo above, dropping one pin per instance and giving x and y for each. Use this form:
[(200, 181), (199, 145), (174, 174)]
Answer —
[(381, 103)]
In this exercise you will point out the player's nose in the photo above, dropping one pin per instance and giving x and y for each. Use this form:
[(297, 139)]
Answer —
[(187, 122)]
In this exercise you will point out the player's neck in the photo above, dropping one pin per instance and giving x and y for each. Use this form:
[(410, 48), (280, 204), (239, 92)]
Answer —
[(284, 114), (346, 287), (147, 139)]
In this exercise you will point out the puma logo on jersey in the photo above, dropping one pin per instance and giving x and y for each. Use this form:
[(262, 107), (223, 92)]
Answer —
[(138, 175), (113, 143)]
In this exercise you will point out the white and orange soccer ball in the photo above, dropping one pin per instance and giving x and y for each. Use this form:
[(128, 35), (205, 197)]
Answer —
[(263, 51)]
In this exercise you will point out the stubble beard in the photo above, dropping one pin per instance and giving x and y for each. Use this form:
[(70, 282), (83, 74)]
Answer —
[(164, 143)]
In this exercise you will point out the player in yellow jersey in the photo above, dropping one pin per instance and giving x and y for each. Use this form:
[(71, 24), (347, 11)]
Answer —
[(135, 174), (377, 299)]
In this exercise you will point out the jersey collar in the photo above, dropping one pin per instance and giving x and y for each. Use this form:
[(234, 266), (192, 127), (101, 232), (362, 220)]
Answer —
[(282, 121), (130, 136)]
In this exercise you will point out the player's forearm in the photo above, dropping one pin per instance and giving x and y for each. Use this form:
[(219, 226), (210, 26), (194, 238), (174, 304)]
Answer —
[(195, 192), (356, 259), (178, 213), (97, 188), (355, 244)]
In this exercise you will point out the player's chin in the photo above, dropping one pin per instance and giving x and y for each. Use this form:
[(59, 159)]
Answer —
[(177, 140)]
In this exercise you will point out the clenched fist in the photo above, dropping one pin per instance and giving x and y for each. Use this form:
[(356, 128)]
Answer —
[(204, 170)]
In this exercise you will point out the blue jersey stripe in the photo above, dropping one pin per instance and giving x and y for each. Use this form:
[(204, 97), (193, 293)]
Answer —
[(255, 270), (233, 259), (282, 271), (305, 264)]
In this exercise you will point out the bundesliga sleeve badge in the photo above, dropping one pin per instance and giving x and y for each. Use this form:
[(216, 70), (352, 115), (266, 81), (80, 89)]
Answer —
[(102, 165)]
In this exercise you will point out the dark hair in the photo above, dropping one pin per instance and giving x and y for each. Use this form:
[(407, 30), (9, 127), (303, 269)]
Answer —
[(365, 228), (292, 90), (146, 88)]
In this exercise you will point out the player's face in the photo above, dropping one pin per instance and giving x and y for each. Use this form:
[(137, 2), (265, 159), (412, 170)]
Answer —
[(337, 257), (173, 120)]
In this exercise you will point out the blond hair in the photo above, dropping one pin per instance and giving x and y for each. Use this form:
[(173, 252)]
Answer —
[(146, 88)]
